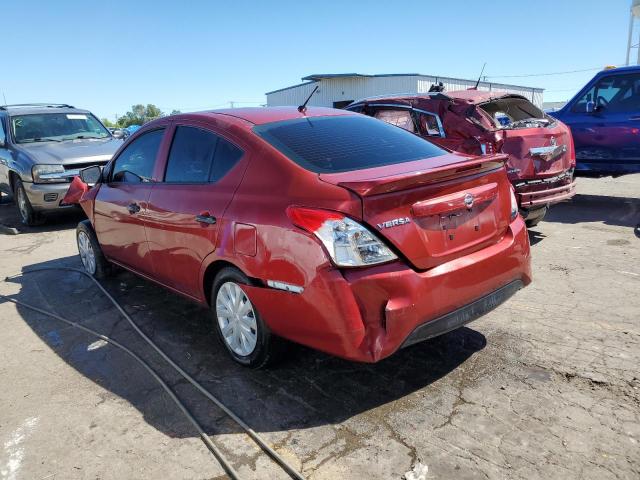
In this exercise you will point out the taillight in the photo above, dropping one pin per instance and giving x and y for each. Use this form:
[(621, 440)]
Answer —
[(572, 149), (514, 204), (488, 148), (348, 243)]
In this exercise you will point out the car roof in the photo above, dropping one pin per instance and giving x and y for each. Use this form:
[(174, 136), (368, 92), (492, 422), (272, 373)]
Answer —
[(262, 115), (479, 96), (41, 108), (403, 97), (618, 70), (470, 96)]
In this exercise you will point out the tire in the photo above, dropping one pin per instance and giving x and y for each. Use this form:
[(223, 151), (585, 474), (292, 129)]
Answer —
[(28, 215), (536, 216), (91, 256), (253, 345)]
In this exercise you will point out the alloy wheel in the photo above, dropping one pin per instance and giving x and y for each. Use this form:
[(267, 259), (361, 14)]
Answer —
[(236, 319), (22, 204), (87, 255)]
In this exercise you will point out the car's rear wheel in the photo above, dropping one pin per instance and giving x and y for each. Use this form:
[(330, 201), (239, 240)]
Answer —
[(534, 217), (28, 215), (238, 323), (91, 256)]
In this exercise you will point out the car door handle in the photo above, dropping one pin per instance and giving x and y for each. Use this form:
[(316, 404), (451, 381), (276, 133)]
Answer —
[(205, 217), (133, 208)]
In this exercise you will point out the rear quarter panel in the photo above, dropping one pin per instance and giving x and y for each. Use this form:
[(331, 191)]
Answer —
[(282, 251)]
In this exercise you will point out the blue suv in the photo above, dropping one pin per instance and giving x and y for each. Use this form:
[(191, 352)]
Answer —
[(604, 118)]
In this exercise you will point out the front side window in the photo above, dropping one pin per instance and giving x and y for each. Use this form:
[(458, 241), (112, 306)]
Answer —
[(615, 93), (56, 127), (135, 163), (199, 156), (3, 136), (344, 143)]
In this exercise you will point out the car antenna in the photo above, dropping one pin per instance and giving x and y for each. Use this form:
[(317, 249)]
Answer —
[(303, 108), (481, 72)]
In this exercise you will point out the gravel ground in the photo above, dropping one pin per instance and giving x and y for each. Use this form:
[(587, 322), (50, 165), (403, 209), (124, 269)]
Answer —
[(544, 387)]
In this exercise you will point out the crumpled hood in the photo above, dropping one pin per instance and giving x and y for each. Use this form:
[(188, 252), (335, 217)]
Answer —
[(72, 151)]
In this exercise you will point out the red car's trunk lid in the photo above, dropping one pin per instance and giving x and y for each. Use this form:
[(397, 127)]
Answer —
[(434, 210), (538, 152)]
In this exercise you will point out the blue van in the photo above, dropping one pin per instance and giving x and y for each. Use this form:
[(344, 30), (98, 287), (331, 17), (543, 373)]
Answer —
[(604, 118)]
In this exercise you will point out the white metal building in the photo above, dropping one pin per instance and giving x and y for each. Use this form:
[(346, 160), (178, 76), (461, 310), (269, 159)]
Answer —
[(338, 90)]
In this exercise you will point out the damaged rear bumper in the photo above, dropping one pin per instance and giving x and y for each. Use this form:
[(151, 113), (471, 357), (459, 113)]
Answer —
[(536, 193), (463, 315), (367, 314)]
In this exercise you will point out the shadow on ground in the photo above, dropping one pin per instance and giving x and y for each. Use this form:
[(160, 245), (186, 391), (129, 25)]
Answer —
[(610, 210), (535, 237), (60, 220), (306, 389)]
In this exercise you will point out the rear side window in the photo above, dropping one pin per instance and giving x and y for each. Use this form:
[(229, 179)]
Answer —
[(344, 143), (399, 118), (227, 155), (136, 162), (191, 155), (199, 156), (429, 124)]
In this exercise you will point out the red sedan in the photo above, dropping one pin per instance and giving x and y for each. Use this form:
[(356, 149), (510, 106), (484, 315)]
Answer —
[(324, 227)]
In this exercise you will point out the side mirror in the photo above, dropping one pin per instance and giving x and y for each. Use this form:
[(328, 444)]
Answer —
[(118, 133), (590, 107), (91, 175)]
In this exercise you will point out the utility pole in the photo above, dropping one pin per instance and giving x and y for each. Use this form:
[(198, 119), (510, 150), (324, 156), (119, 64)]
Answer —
[(231, 104), (634, 14)]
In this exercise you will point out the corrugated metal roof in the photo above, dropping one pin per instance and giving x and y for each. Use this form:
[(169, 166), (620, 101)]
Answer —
[(320, 76), (292, 86)]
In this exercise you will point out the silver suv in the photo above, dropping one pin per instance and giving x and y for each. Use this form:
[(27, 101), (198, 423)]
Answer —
[(42, 147)]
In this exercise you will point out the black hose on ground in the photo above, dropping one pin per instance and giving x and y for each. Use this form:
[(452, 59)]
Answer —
[(205, 438), (248, 430)]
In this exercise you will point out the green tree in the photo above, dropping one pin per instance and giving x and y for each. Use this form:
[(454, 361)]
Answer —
[(139, 115), (108, 123), (175, 112)]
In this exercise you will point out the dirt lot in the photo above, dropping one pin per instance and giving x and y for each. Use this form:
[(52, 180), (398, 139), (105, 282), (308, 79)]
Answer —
[(546, 386)]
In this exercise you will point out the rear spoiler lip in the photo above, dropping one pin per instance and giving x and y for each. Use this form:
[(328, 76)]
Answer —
[(378, 185)]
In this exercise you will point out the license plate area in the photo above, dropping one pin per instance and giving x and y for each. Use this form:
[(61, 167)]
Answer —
[(458, 230)]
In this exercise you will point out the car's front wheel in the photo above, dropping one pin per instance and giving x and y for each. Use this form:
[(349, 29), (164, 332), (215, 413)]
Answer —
[(91, 256), (238, 323), (27, 214)]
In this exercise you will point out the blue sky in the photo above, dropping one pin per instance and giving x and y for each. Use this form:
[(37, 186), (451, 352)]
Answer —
[(194, 55)]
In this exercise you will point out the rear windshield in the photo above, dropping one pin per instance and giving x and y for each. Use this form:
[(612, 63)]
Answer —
[(344, 143)]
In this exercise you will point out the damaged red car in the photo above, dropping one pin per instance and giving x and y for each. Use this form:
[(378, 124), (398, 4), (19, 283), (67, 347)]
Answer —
[(541, 153), (323, 227)]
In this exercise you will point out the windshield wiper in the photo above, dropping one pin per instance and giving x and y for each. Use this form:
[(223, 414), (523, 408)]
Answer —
[(81, 137), (33, 140)]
